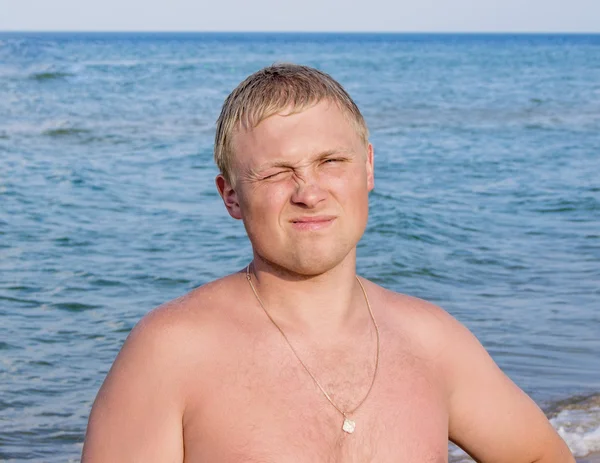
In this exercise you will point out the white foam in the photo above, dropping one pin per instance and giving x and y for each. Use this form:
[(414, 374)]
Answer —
[(457, 455), (580, 428)]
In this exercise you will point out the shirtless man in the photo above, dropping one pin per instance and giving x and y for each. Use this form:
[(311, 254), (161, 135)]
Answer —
[(295, 359)]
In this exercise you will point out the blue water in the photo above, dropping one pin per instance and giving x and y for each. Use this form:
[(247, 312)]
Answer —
[(487, 201)]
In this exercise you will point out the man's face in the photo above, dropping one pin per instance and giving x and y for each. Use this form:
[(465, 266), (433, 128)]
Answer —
[(301, 188)]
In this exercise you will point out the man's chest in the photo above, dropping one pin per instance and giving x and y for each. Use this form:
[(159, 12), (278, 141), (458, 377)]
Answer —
[(275, 412)]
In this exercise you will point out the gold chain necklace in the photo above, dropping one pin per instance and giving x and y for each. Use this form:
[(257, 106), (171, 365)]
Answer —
[(348, 425)]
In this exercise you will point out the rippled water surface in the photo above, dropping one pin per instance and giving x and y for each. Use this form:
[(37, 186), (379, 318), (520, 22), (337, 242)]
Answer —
[(487, 201)]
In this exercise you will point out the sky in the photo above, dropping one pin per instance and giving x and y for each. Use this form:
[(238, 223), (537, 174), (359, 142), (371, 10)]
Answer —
[(302, 15)]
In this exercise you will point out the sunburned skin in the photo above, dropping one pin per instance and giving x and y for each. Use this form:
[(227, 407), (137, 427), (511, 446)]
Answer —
[(248, 398)]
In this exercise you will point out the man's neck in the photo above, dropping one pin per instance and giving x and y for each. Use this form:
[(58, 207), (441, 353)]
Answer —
[(320, 305)]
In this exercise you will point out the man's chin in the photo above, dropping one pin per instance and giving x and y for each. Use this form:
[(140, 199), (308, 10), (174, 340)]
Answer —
[(314, 264), (311, 270)]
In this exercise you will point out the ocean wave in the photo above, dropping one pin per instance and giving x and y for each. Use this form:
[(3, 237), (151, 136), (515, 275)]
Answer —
[(65, 131), (49, 75), (577, 421), (73, 306)]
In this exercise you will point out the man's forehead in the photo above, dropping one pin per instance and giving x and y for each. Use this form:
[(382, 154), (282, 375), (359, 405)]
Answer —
[(254, 120), (324, 119)]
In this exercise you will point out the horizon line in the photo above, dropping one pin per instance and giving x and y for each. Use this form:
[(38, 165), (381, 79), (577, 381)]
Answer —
[(124, 31)]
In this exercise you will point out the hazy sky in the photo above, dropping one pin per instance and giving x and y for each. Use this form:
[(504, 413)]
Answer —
[(302, 15)]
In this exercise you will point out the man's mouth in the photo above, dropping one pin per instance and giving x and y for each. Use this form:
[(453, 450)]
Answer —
[(312, 222)]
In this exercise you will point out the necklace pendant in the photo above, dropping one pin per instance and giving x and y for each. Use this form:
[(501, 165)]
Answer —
[(349, 426)]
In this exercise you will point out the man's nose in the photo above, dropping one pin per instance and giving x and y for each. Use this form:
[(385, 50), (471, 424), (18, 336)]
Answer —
[(308, 193)]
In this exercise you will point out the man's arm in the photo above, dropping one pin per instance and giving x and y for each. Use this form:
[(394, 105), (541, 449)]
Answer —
[(137, 415), (490, 417)]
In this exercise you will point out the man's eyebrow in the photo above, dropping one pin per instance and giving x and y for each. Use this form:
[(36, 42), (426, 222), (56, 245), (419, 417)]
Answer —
[(333, 152), (288, 165)]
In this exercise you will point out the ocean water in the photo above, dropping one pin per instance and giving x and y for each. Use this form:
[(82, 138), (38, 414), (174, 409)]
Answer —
[(487, 201)]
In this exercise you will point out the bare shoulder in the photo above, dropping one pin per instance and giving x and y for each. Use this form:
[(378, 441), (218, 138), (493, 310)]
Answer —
[(199, 314), (140, 405), (485, 408), (423, 322), (433, 334), (182, 334), (198, 308), (445, 346)]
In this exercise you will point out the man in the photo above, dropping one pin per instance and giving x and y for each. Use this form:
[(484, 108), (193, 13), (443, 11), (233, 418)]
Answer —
[(294, 358)]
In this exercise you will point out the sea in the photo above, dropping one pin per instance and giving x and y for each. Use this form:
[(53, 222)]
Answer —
[(486, 201)]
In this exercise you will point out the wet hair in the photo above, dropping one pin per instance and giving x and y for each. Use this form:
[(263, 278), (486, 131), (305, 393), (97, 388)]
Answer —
[(282, 88)]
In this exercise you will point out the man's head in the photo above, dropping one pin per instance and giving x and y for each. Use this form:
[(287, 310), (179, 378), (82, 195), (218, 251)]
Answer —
[(296, 168), (280, 88)]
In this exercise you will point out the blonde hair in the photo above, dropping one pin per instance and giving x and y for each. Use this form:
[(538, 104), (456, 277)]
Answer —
[(281, 87)]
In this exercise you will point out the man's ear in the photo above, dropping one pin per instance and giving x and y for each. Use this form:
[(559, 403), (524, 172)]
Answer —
[(370, 168), (229, 196)]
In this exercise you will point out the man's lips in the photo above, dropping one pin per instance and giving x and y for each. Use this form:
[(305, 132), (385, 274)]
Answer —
[(311, 219), (312, 222)]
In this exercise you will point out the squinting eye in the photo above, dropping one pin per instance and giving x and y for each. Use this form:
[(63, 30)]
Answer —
[(274, 175)]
